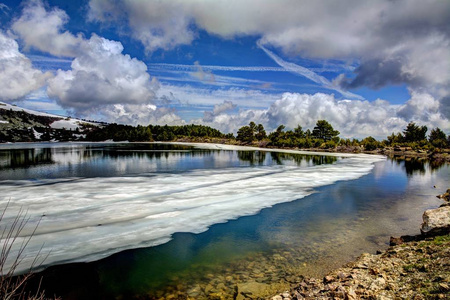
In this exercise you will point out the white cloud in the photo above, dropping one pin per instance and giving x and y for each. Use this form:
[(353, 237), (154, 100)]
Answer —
[(17, 75), (404, 41), (42, 29), (195, 96), (201, 74), (102, 75), (353, 118), (157, 24), (424, 109), (226, 106), (139, 114)]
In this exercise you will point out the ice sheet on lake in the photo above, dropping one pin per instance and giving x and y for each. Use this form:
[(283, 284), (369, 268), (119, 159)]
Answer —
[(86, 219)]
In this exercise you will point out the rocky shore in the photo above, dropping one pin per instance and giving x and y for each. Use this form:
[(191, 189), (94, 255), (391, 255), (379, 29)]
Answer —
[(413, 267)]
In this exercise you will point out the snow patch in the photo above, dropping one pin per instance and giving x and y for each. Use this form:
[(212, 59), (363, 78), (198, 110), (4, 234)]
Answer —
[(67, 124), (37, 135), (33, 112)]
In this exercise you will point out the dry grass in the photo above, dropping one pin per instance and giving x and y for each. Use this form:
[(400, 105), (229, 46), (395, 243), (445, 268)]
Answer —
[(13, 286)]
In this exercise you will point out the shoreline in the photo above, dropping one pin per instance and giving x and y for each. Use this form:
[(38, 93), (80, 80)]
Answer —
[(413, 267), (406, 153)]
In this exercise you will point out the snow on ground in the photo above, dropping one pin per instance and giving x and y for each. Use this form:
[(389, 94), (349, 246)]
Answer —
[(33, 112), (68, 123), (37, 135)]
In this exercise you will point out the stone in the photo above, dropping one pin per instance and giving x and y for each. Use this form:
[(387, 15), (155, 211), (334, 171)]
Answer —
[(436, 221), (250, 288), (194, 291), (445, 196), (378, 284), (351, 295)]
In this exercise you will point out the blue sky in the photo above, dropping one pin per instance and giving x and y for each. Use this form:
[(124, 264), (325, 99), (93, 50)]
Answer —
[(367, 67)]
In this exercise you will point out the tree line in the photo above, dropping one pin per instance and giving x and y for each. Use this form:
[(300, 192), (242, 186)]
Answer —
[(324, 136), (118, 132)]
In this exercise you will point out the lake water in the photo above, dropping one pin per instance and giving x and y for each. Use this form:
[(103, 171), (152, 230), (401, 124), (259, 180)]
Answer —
[(162, 220)]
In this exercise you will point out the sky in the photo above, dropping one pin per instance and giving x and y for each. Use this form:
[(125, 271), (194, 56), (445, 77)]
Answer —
[(368, 67)]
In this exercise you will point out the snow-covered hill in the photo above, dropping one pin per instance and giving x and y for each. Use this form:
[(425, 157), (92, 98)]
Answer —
[(19, 124), (62, 122)]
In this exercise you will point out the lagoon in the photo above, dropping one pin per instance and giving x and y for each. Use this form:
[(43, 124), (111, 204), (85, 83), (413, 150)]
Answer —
[(159, 219)]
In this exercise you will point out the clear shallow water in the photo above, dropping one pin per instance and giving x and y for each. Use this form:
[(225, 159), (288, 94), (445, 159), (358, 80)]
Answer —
[(100, 199)]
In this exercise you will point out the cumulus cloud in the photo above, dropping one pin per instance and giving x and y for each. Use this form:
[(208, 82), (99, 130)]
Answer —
[(139, 114), (17, 75), (43, 29), (353, 118), (101, 75), (425, 109), (218, 109), (157, 24)]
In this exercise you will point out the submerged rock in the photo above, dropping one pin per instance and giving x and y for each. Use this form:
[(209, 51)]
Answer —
[(249, 289), (414, 267), (413, 270)]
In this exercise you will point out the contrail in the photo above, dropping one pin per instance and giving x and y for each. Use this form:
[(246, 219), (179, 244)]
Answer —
[(191, 68), (214, 68), (299, 70)]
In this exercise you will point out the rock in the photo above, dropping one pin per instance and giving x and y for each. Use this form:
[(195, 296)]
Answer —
[(378, 284), (436, 221), (403, 239), (351, 295), (277, 297), (445, 196), (250, 288), (394, 241), (343, 276), (194, 291)]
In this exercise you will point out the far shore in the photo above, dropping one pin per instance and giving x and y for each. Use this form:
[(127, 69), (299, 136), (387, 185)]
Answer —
[(442, 156), (398, 152)]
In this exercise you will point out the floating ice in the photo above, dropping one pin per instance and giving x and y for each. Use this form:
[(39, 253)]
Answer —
[(86, 219)]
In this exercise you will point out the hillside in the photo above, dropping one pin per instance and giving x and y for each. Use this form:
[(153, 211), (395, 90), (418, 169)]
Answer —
[(24, 125)]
